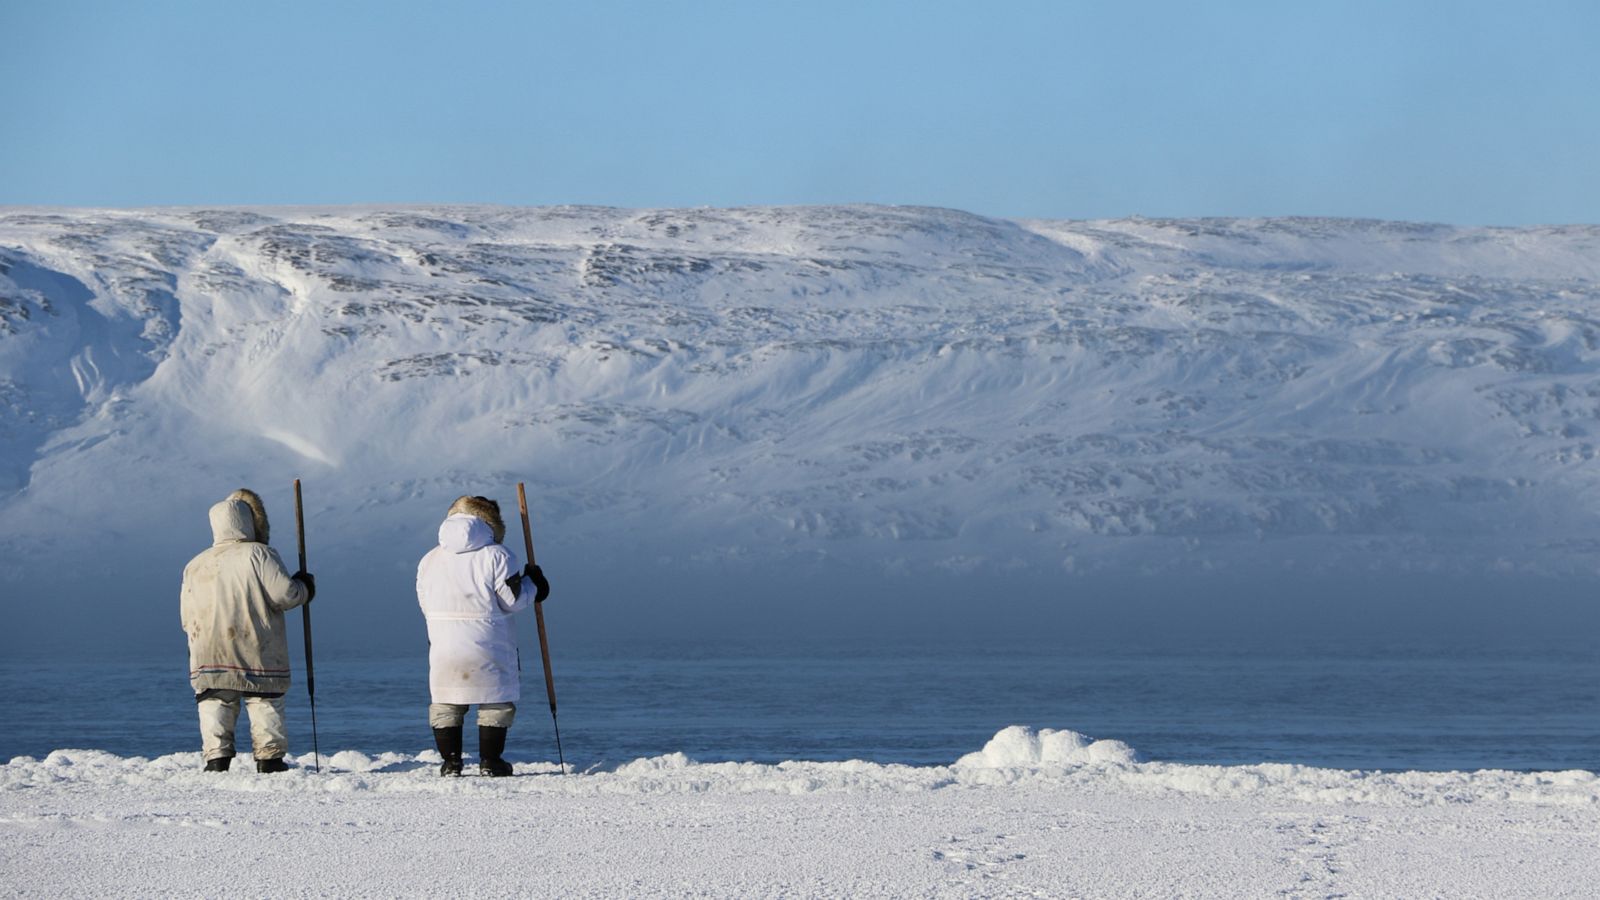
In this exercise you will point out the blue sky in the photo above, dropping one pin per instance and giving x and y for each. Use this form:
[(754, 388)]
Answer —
[(1465, 112)]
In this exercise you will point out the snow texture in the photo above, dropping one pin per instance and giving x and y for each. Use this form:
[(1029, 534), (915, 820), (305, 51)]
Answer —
[(905, 389), (1034, 813)]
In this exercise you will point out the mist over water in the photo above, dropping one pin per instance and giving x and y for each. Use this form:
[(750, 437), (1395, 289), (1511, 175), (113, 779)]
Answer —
[(367, 607)]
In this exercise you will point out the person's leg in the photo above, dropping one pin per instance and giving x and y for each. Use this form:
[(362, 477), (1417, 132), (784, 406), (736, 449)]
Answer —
[(446, 715), (219, 711), (494, 720), (446, 720), (269, 739), (496, 715)]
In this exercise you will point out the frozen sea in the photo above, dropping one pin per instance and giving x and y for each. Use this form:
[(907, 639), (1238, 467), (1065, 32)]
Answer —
[(1394, 707)]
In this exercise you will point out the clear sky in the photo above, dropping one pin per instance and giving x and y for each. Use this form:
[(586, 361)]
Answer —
[(1466, 112)]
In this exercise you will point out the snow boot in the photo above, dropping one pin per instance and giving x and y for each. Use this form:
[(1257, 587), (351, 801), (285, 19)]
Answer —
[(448, 740), (220, 764), (492, 743), (268, 766)]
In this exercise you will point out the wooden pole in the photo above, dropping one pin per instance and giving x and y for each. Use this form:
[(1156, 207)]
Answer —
[(305, 619), (538, 616)]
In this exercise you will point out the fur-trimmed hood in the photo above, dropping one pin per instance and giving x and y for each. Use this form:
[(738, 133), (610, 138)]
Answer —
[(481, 508), (462, 533), (231, 523), (258, 513)]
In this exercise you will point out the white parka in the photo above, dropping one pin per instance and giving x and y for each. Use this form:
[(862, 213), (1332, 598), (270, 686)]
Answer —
[(472, 638)]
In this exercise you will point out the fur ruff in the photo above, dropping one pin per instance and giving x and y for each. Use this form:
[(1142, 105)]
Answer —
[(258, 513), (481, 508)]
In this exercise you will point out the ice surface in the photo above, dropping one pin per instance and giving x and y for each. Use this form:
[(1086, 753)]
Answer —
[(1036, 811)]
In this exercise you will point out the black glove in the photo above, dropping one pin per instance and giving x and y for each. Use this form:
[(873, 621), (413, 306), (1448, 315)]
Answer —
[(542, 586), (310, 581)]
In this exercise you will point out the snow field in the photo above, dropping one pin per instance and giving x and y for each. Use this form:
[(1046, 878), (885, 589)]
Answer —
[(1033, 813)]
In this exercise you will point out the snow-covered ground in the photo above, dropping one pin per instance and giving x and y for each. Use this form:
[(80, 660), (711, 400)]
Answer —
[(1031, 814)]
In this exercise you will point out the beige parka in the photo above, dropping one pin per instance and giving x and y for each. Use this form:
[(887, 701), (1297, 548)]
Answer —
[(232, 603)]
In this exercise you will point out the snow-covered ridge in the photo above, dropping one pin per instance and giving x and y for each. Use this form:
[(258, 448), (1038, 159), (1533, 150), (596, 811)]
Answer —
[(905, 389), (1017, 758)]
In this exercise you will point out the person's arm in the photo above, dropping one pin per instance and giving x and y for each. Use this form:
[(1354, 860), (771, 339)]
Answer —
[(514, 592), (531, 578), (284, 591), (183, 602)]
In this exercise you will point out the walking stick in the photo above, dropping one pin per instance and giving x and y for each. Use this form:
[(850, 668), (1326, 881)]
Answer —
[(538, 616), (305, 619)]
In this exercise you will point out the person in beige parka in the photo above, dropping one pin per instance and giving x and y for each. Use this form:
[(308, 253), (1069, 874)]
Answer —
[(232, 603)]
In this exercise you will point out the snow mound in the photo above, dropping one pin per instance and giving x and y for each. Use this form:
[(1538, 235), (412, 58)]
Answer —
[(668, 762), (1021, 747)]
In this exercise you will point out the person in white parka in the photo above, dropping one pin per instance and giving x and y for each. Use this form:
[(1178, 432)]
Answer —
[(469, 588)]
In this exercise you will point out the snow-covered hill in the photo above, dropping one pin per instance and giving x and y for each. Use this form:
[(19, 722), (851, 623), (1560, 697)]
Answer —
[(891, 390)]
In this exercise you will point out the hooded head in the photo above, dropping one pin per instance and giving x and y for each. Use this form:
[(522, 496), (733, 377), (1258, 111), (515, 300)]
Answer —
[(461, 533), (484, 509), (232, 521), (258, 513)]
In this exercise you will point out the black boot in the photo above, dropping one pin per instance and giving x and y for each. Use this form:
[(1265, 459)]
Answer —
[(492, 743), (268, 766), (220, 764), (448, 740)]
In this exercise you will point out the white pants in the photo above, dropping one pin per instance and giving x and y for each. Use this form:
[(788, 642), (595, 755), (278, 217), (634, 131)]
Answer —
[(219, 710), (451, 715)]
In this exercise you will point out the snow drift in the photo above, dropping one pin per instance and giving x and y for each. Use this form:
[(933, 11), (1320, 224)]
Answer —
[(1018, 757)]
